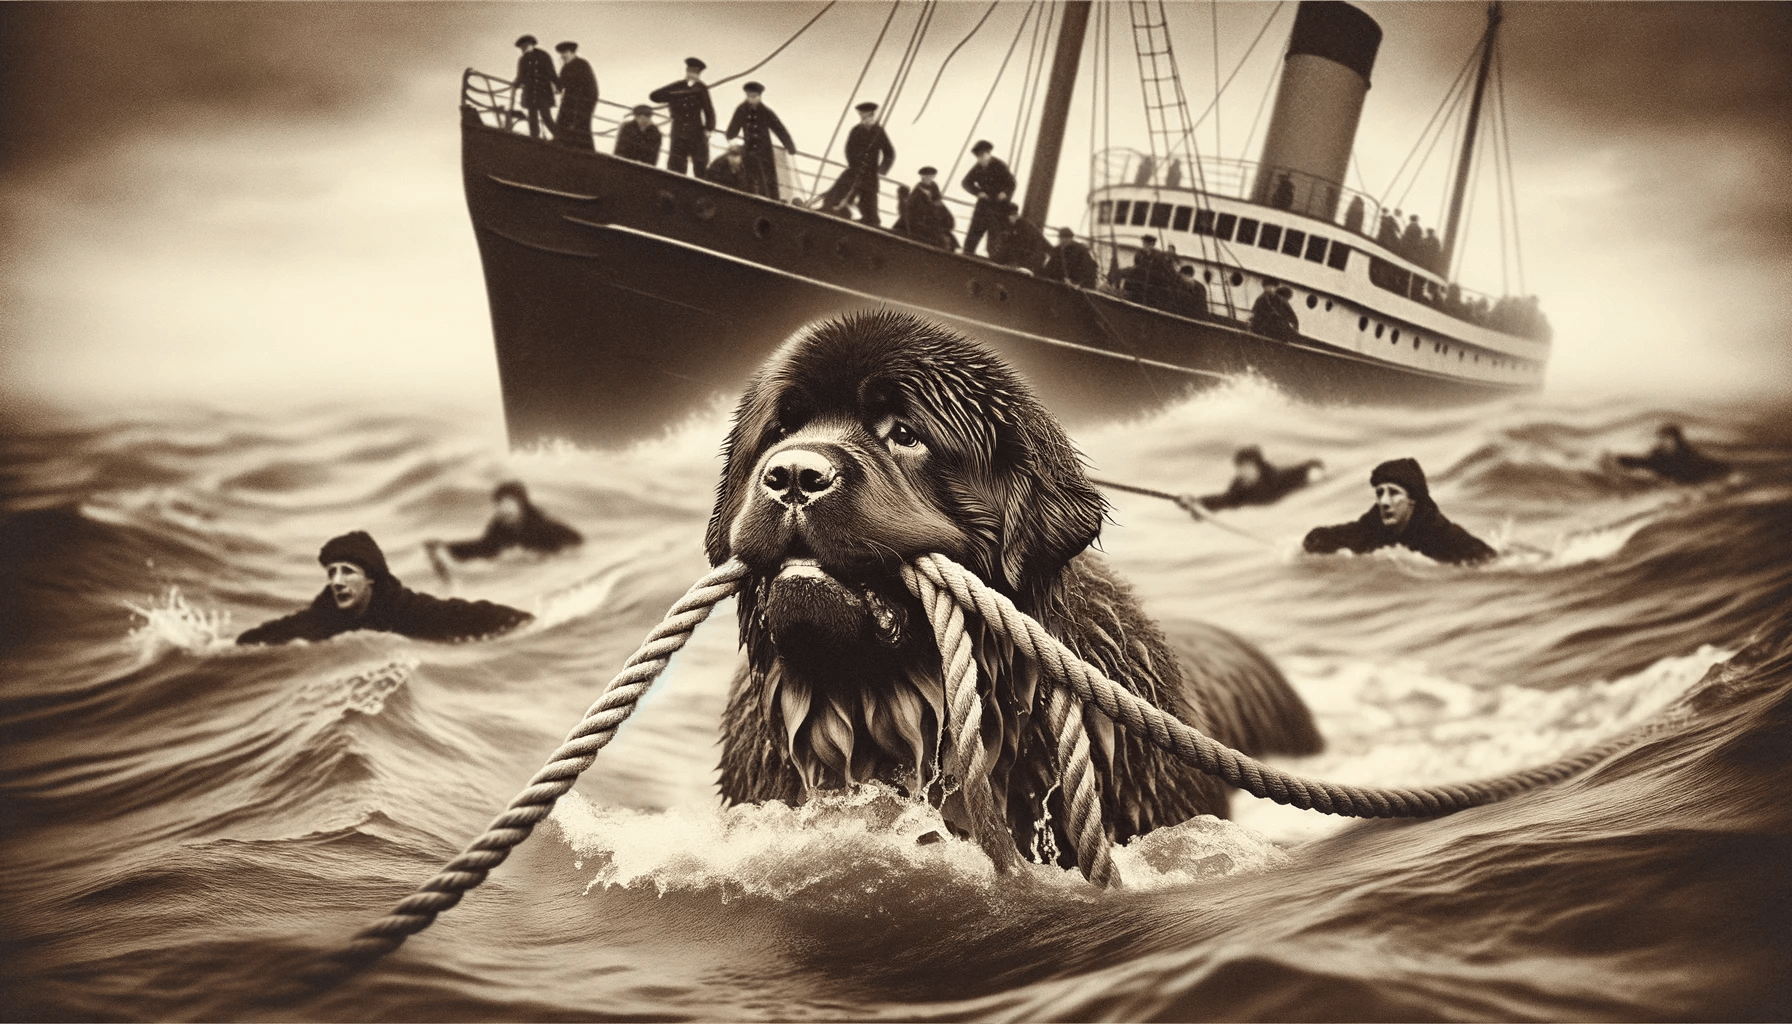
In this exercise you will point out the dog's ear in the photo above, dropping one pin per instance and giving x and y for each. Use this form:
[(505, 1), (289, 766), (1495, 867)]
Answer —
[(1051, 512), (755, 421)]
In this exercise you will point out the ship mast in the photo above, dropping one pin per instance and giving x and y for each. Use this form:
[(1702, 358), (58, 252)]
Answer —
[(1056, 113), (1468, 137)]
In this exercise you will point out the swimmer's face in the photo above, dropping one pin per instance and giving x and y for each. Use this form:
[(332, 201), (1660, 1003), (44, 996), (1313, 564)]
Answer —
[(508, 510), (350, 586), (1395, 505)]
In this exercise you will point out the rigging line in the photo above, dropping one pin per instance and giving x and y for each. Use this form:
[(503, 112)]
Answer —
[(992, 90), (742, 74), (942, 71), (1213, 9), (1499, 64), (1026, 82), (821, 166), (933, 7), (1275, 78), (1449, 95), (908, 60), (1445, 128), (1030, 97)]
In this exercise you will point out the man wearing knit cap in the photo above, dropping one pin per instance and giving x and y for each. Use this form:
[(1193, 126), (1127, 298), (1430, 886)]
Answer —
[(639, 138), (578, 100), (535, 77), (755, 124), (1403, 514), (362, 593), (693, 118), (869, 155)]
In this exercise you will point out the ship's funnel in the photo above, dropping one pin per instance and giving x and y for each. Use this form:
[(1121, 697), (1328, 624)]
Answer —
[(1324, 80)]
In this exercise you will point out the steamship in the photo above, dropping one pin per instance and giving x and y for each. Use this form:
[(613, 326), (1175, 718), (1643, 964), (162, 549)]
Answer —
[(625, 297)]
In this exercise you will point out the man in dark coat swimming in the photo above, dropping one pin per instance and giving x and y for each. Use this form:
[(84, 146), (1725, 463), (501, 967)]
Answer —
[(1403, 514), (1257, 482), (516, 523), (363, 594), (1673, 459)]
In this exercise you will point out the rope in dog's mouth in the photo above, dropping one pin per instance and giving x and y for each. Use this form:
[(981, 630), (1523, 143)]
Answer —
[(947, 590)]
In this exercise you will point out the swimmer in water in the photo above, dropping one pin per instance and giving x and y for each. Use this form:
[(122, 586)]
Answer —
[(1256, 482), (362, 593), (1673, 459), (516, 523), (1403, 514)]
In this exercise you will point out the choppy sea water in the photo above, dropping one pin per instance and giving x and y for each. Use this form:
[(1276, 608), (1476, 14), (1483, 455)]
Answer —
[(185, 820)]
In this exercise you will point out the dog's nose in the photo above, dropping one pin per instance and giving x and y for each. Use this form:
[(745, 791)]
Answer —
[(797, 475)]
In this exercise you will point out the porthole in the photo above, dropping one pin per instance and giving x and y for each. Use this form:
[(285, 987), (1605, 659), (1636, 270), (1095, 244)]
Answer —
[(668, 203), (703, 209), (763, 227), (1379, 328), (974, 286), (1237, 279), (1415, 343), (1362, 323), (1395, 340), (1207, 275), (1312, 301), (1328, 305)]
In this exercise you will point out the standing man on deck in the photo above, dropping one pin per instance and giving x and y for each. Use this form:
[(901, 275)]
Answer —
[(992, 183), (693, 118), (578, 84), (535, 77), (639, 138), (755, 123), (868, 156)]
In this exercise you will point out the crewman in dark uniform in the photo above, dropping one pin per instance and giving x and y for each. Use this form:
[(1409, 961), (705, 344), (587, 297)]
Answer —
[(755, 124), (1255, 482), (693, 117), (992, 183), (1403, 514), (362, 593), (1017, 243), (730, 169), (578, 100), (1071, 262), (639, 138), (1273, 316), (869, 155), (925, 216), (535, 77), (515, 523)]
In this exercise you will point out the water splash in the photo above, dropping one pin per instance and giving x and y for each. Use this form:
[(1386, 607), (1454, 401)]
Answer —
[(173, 622)]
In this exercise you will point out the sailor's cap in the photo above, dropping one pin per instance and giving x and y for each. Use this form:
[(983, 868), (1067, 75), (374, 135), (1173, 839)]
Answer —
[(1066, 233), (641, 108), (925, 171), (692, 62), (567, 46), (866, 107), (983, 146), (752, 87), (525, 40)]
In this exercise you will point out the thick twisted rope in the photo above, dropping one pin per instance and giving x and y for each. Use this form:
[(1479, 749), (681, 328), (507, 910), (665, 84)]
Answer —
[(1061, 666), (618, 701), (964, 709), (1082, 801)]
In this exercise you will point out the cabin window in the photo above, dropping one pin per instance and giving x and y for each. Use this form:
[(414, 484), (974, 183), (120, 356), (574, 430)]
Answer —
[(1104, 212), (1379, 328), (1270, 237), (1182, 215), (1316, 249), (1222, 228), (1160, 215), (1120, 208), (1340, 257), (1247, 231), (1236, 279), (1204, 222), (1362, 323), (1139, 212), (1385, 274), (1312, 301), (1395, 340), (1292, 241)]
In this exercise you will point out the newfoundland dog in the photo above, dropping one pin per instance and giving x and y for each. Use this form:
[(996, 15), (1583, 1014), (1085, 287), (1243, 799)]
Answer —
[(873, 438)]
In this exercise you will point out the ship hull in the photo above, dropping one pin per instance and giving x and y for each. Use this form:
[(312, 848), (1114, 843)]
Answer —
[(625, 298)]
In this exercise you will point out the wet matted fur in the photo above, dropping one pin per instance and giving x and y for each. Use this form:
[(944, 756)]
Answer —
[(868, 440)]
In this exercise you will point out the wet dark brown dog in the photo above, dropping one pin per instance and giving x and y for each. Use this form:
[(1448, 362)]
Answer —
[(869, 440)]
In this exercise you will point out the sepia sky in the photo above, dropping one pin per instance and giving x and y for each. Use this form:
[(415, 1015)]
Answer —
[(244, 204)]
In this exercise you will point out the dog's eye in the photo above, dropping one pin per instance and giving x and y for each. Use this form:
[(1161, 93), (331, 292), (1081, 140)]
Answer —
[(904, 435)]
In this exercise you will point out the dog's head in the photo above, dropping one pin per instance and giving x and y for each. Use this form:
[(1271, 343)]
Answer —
[(864, 442)]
